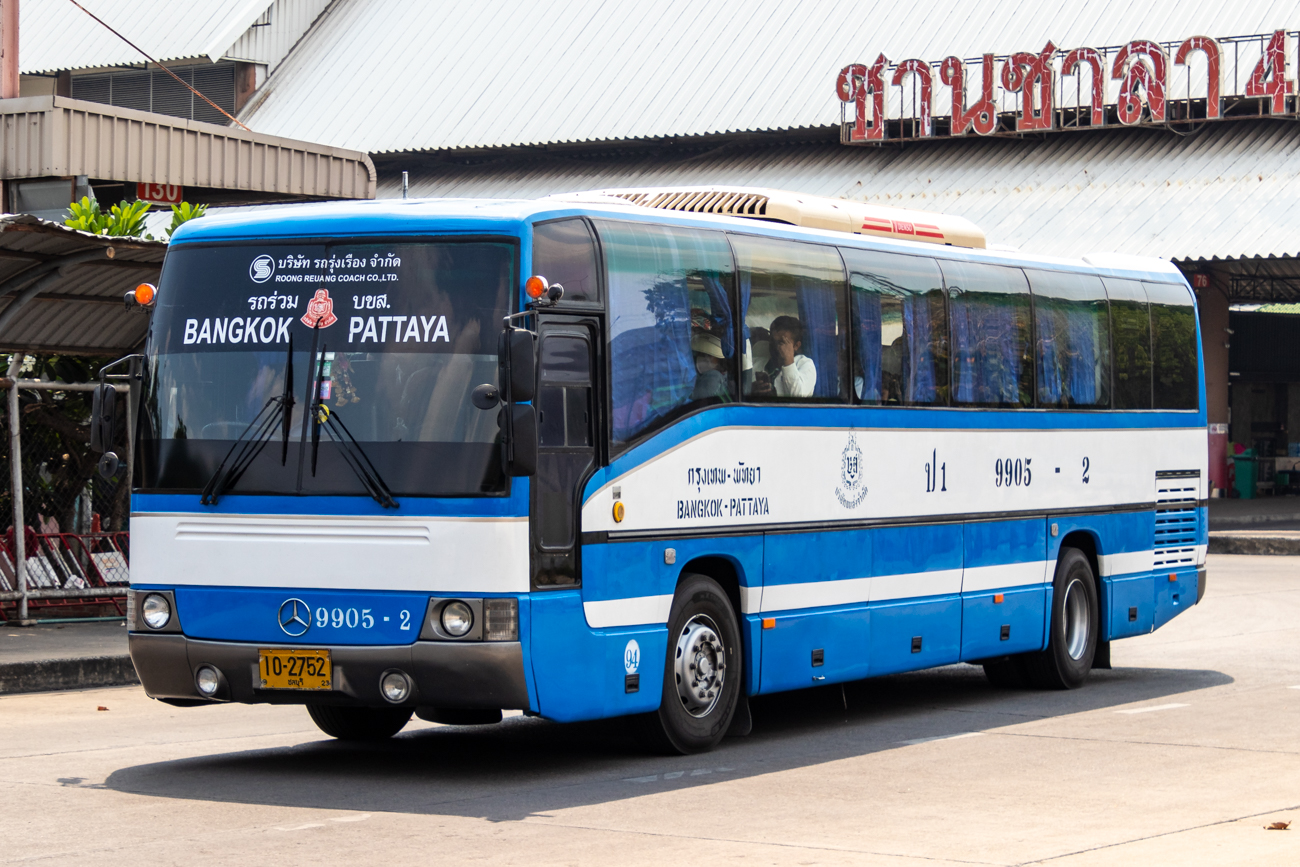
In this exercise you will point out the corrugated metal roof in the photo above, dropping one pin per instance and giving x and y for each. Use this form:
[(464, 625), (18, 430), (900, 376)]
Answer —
[(54, 34), (1227, 191), (82, 311), (397, 75)]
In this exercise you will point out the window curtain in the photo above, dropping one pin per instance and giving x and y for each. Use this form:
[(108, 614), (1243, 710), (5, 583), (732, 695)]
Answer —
[(866, 307), (988, 338), (817, 312), (919, 382)]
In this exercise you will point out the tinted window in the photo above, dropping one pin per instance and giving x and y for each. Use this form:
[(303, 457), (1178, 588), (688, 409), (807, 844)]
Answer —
[(792, 303), (1072, 332), (564, 395), (1131, 339), (900, 328), (992, 363), (1173, 346), (564, 253), (672, 345)]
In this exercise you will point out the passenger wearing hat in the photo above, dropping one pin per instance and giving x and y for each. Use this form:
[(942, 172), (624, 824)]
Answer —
[(710, 365)]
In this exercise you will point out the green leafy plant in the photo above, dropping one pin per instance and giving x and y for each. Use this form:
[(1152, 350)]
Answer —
[(183, 213), (127, 219)]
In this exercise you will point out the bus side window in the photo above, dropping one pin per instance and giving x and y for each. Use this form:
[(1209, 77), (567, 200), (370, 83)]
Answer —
[(1130, 325), (672, 345), (900, 327), (795, 335), (1073, 340), (1173, 346), (992, 353), (564, 253)]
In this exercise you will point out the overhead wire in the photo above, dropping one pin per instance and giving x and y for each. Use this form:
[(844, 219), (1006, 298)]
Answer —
[(105, 25)]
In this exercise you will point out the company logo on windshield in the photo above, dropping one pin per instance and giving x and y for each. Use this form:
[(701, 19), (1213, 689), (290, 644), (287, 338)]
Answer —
[(261, 269), (320, 310)]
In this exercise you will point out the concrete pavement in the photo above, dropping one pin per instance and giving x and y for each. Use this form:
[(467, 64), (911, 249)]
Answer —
[(51, 656), (1180, 755)]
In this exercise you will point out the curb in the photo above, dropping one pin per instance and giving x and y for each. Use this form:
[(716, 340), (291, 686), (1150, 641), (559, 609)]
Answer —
[(1231, 543), (47, 675)]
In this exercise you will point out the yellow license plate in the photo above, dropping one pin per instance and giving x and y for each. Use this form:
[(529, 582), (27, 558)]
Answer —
[(295, 669)]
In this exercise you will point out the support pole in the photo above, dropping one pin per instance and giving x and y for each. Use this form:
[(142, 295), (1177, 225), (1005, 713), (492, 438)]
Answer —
[(16, 479)]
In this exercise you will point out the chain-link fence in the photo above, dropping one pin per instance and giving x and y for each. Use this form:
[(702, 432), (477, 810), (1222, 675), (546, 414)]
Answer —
[(75, 521)]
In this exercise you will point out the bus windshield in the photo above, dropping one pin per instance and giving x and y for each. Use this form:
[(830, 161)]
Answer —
[(403, 332)]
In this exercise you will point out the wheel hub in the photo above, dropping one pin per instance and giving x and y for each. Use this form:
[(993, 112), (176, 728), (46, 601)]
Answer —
[(700, 667), (1076, 620)]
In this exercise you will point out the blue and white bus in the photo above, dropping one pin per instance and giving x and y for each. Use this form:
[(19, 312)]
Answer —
[(611, 455)]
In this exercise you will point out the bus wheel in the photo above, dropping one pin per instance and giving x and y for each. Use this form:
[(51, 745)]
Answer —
[(359, 723), (1074, 629), (703, 675)]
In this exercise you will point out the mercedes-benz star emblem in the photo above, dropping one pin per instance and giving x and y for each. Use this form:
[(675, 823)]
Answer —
[(295, 617)]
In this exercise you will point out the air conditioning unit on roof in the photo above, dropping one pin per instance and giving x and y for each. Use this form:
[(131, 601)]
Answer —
[(797, 209)]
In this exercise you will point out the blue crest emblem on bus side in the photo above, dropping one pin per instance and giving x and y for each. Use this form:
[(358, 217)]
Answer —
[(853, 489)]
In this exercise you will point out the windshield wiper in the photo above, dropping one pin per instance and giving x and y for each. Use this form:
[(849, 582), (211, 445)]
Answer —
[(323, 417), (262, 426)]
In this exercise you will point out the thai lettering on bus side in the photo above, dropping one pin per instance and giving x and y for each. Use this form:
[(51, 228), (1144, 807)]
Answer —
[(238, 329), (405, 328), (698, 477)]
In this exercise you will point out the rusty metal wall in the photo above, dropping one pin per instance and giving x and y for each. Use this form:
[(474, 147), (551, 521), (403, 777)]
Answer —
[(47, 136)]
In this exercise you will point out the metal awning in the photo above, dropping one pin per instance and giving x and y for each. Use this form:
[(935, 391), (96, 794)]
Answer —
[(54, 136), (61, 289)]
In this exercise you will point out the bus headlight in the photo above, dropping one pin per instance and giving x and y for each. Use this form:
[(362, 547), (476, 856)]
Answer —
[(457, 619), (395, 686), (156, 611), (207, 680)]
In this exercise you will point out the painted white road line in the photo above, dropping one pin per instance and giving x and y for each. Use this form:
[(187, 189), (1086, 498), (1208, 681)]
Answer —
[(1294, 687), (1152, 708), (916, 741)]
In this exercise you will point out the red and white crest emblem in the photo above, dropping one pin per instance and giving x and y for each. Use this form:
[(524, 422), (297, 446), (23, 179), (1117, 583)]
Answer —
[(320, 309)]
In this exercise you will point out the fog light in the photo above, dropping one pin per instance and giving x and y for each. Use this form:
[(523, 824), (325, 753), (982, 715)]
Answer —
[(501, 619), (156, 610), (457, 619), (395, 686), (208, 680)]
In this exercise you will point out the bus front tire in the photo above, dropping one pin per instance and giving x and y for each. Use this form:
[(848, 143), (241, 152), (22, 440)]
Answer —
[(704, 672), (1075, 626), (359, 723)]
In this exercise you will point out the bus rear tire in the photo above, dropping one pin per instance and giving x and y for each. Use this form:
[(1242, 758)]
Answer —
[(359, 723), (1075, 626), (703, 674)]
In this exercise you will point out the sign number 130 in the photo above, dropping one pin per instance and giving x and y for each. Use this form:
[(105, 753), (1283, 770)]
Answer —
[(160, 194)]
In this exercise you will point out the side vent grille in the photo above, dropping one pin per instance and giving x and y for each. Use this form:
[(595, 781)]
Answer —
[(734, 204), (1175, 536)]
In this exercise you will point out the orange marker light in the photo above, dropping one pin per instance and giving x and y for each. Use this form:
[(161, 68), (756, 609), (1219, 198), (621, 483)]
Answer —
[(769, 622), (619, 512), (997, 598), (145, 294), (1172, 577), (536, 286)]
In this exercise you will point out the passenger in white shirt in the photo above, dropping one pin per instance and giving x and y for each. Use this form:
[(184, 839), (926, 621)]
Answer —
[(793, 375)]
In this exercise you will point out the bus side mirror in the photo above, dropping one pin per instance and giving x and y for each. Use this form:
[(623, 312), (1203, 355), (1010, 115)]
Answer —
[(519, 359), (523, 423), (103, 418)]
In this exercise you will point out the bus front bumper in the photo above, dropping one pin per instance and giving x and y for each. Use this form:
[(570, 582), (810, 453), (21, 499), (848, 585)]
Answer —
[(445, 674)]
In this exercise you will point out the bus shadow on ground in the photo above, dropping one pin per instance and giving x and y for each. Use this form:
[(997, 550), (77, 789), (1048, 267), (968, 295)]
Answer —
[(525, 767)]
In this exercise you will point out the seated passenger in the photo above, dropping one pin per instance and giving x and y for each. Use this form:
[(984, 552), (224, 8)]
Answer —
[(793, 375), (710, 366)]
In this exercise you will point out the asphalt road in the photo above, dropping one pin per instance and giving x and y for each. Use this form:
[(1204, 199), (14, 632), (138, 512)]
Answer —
[(1180, 755)]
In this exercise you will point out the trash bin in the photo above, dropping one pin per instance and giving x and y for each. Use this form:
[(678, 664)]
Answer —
[(1247, 474)]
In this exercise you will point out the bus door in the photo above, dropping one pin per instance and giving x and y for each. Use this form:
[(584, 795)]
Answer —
[(566, 444)]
